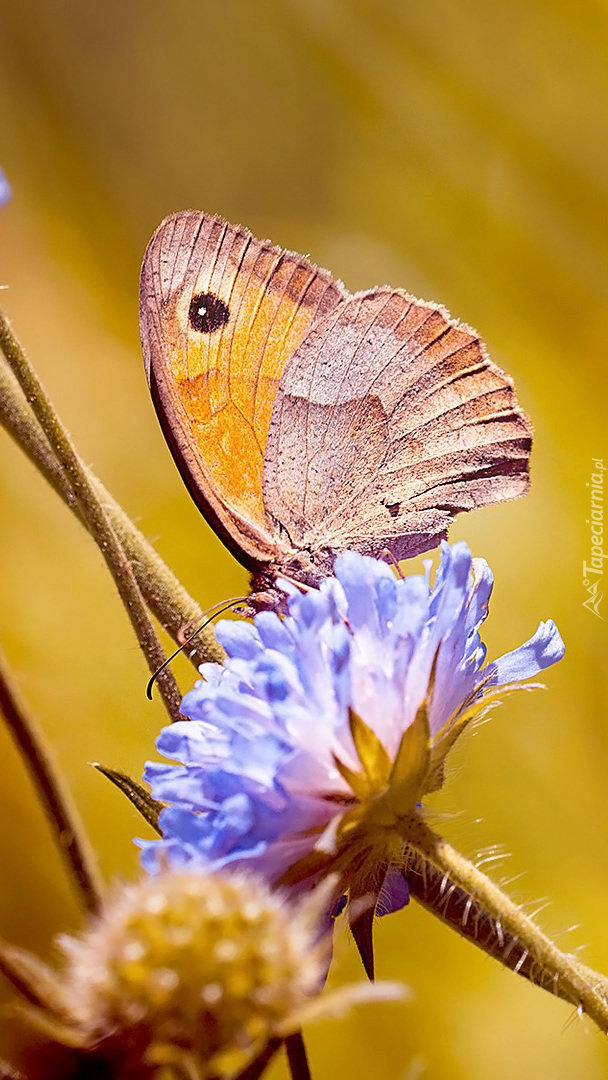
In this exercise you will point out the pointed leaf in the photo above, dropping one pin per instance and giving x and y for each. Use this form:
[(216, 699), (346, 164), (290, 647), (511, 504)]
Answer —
[(136, 793), (309, 866), (357, 782), (53, 1028), (28, 975), (370, 751), (362, 931), (411, 764)]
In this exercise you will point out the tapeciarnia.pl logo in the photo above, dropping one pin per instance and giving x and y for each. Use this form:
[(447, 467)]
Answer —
[(593, 571)]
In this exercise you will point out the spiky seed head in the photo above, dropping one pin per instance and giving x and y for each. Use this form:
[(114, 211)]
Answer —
[(193, 967)]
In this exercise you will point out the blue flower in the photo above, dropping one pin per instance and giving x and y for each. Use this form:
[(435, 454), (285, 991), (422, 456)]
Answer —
[(5, 190), (308, 751)]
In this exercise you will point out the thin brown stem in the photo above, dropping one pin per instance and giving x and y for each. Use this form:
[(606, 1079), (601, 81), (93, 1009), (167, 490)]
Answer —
[(94, 514), (297, 1056), (56, 803), (258, 1066)]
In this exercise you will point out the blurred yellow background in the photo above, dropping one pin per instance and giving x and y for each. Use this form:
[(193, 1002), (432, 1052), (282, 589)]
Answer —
[(457, 150)]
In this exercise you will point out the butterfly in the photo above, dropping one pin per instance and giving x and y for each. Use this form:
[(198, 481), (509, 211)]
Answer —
[(306, 420)]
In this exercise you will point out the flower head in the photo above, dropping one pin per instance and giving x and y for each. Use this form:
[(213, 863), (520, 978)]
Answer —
[(309, 750), (187, 974)]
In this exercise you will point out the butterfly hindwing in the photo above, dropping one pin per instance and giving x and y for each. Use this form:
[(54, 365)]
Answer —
[(389, 419)]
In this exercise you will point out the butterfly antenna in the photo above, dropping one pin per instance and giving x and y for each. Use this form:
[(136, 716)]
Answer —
[(392, 560), (207, 617)]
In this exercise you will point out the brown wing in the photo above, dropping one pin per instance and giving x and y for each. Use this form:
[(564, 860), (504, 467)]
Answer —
[(390, 418), (221, 313)]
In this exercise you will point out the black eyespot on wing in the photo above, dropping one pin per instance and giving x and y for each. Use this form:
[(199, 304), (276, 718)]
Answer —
[(207, 313)]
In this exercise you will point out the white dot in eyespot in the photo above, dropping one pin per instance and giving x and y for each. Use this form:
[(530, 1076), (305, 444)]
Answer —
[(202, 311)]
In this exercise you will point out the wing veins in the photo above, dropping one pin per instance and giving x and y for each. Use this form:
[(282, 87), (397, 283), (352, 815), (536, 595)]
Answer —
[(195, 275), (345, 374), (390, 360)]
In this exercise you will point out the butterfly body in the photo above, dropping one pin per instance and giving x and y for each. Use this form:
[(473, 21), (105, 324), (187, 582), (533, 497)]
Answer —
[(306, 420)]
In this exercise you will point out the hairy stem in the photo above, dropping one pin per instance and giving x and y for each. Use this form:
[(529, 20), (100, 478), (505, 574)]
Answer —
[(93, 512), (59, 811), (460, 894)]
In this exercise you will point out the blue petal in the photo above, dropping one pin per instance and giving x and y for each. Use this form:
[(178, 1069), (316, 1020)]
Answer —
[(174, 783), (188, 742), (156, 855), (276, 678), (395, 892), (370, 587), (412, 610), (543, 649), (239, 639), (310, 609), (483, 583), (236, 817), (251, 751), (273, 633)]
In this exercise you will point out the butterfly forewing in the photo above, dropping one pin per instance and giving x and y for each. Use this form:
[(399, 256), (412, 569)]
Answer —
[(221, 313)]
